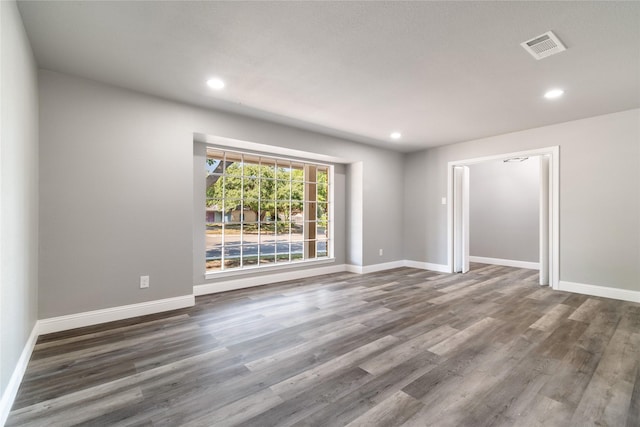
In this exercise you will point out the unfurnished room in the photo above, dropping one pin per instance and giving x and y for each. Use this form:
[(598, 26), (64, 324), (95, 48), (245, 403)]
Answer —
[(320, 213)]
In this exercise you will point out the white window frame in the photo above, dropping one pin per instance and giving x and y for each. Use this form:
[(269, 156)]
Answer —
[(330, 258)]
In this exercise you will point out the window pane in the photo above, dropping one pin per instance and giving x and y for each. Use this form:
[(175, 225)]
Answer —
[(231, 234), (249, 255), (283, 210), (232, 187), (213, 265), (297, 232), (297, 250), (322, 230), (267, 168), (231, 256), (215, 162), (251, 210), (213, 211), (283, 170), (322, 174), (214, 202), (251, 165), (297, 171), (267, 232), (250, 188), (282, 230), (282, 252), (322, 192), (262, 210), (283, 190), (213, 235), (267, 189), (322, 248), (267, 211), (322, 210), (232, 210), (297, 191), (215, 184), (267, 253), (267, 259), (297, 211), (250, 233), (282, 248), (213, 246), (213, 178)]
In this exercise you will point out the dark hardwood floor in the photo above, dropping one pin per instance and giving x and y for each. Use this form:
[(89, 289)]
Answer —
[(402, 347)]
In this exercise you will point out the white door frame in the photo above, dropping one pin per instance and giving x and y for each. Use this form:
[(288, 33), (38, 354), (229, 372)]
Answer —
[(461, 219), (553, 154)]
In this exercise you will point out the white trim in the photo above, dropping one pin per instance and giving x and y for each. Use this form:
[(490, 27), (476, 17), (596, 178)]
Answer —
[(554, 222), (88, 318), (351, 268), (600, 291), (374, 267), (266, 269), (10, 392), (506, 262), (249, 282), (258, 148), (441, 268), (544, 231), (554, 204), (461, 219)]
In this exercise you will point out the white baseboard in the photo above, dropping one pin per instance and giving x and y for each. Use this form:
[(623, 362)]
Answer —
[(374, 267), (249, 282), (353, 268), (10, 392), (88, 318), (599, 291), (506, 262), (440, 268)]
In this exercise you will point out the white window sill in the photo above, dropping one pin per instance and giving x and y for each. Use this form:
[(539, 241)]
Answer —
[(267, 268)]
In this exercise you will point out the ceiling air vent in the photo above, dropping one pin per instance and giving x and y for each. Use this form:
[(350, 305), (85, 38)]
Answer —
[(544, 45)]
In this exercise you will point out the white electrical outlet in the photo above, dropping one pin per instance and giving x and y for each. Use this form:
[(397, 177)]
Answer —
[(380, 252), (144, 282)]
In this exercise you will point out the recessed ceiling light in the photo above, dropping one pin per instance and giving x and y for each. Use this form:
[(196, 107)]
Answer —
[(215, 84), (554, 93), (396, 135)]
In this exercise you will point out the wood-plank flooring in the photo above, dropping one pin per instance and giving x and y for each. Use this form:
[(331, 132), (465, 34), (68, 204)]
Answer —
[(402, 347)]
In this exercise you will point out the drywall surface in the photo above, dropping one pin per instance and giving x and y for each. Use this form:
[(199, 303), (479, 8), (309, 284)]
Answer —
[(599, 196), (504, 204), (117, 192), (19, 191)]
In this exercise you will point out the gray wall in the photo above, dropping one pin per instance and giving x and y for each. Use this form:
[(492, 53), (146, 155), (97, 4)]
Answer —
[(18, 192), (599, 196), (117, 192), (504, 200)]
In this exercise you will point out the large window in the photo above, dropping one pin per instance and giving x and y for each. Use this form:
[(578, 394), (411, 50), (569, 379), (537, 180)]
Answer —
[(263, 210)]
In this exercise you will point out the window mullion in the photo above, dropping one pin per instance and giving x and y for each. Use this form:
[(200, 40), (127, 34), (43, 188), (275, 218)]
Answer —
[(238, 190)]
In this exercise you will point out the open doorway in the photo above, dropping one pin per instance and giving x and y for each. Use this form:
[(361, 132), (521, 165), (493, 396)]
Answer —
[(458, 212)]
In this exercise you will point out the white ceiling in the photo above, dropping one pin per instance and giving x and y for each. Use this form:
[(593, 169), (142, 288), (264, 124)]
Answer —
[(439, 72)]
